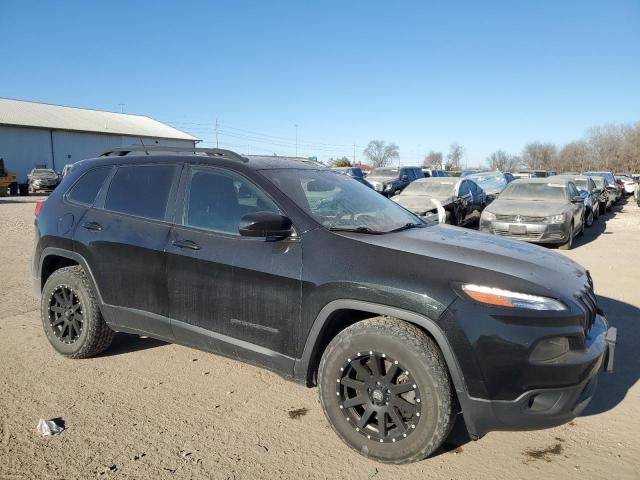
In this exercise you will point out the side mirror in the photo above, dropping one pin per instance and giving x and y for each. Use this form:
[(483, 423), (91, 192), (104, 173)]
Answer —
[(265, 225), (577, 199)]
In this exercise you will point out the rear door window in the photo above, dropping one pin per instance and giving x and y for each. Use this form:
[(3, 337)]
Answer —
[(464, 189), (85, 190), (141, 190)]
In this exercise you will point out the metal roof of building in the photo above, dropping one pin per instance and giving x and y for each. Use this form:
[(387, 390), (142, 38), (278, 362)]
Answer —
[(57, 117)]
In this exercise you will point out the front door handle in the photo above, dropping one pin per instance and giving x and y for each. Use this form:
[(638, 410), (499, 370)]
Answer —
[(186, 244), (93, 226)]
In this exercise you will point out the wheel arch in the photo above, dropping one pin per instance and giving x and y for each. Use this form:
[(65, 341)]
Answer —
[(53, 258), (333, 318)]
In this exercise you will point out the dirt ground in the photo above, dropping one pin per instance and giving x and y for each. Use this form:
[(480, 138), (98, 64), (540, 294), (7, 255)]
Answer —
[(149, 410)]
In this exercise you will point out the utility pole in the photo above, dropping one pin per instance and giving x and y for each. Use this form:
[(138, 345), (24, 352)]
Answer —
[(121, 107), (354, 154), (296, 139), (217, 133)]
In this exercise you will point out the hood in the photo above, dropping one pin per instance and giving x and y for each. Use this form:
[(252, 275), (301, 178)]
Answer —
[(528, 207), (422, 203), (552, 273), (382, 179)]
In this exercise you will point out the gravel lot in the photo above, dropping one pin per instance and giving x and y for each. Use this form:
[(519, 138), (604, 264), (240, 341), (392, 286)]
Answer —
[(146, 409)]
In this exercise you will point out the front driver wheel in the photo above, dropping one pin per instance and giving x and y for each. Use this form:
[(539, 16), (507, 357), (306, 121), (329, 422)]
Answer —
[(71, 317), (569, 242), (385, 390)]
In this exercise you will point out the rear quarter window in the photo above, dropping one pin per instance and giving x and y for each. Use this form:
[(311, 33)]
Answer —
[(87, 187), (141, 190)]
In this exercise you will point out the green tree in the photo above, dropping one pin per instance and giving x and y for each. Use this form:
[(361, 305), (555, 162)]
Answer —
[(339, 162)]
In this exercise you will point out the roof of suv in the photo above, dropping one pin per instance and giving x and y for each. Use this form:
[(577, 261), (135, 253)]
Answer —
[(256, 162)]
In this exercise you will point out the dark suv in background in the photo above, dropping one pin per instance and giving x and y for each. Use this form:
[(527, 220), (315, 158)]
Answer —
[(392, 180), (284, 264)]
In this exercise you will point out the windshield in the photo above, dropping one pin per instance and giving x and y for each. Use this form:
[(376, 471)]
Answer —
[(384, 173), (581, 183), (490, 182), (337, 202), (534, 191), (43, 172), (604, 175), (433, 189)]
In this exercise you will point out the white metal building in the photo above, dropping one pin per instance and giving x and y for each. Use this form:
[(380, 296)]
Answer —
[(41, 134)]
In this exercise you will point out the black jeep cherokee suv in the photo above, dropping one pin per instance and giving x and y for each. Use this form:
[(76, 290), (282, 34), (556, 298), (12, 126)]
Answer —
[(284, 264)]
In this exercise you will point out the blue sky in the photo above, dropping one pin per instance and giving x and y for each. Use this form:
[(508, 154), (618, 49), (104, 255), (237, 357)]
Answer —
[(422, 74)]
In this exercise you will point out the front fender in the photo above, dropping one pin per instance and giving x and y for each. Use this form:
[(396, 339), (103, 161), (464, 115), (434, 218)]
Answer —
[(303, 367)]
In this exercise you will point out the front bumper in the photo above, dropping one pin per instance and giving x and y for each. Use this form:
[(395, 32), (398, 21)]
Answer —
[(546, 407), (43, 187), (528, 232)]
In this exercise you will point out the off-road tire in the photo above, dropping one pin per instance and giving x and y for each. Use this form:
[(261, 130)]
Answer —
[(415, 351), (96, 336), (569, 243)]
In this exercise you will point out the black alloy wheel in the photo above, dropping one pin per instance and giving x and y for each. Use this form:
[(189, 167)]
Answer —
[(378, 397), (66, 315)]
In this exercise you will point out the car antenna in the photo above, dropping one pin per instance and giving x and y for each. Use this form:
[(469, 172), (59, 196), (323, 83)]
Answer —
[(142, 143)]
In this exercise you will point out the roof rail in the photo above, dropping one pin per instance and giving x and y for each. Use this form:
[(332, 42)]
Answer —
[(211, 152)]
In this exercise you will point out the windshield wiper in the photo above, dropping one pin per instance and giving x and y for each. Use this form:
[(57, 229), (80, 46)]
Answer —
[(406, 226), (356, 230)]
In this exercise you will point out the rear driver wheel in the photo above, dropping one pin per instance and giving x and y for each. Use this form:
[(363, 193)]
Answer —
[(71, 317), (384, 388)]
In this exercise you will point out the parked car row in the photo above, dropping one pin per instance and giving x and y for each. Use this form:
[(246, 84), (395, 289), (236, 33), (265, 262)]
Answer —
[(539, 207), (553, 209)]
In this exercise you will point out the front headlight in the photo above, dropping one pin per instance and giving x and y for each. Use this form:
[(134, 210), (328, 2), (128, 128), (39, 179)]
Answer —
[(555, 218), (388, 186), (487, 216), (505, 298)]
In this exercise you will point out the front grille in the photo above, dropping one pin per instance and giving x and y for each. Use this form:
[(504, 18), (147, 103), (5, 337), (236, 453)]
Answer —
[(589, 303), (519, 218), (527, 237)]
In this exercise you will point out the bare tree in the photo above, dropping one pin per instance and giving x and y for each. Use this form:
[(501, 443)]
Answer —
[(540, 156), (381, 154), (456, 152), (575, 157), (500, 160), (433, 160)]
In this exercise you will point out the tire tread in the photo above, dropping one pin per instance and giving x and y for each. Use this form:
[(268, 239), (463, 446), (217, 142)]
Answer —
[(422, 345)]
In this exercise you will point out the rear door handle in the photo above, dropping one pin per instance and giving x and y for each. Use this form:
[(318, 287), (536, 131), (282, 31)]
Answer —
[(93, 226), (186, 244)]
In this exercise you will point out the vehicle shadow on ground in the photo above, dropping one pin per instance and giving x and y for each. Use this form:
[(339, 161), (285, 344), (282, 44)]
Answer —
[(612, 387), (599, 226), (124, 343), (6, 200)]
